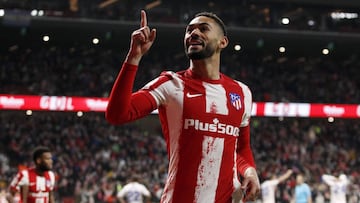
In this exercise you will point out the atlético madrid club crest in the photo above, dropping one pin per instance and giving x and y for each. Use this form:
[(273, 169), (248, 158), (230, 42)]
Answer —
[(235, 100)]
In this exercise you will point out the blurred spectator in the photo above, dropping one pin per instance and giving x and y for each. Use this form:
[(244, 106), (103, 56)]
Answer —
[(302, 16), (88, 151)]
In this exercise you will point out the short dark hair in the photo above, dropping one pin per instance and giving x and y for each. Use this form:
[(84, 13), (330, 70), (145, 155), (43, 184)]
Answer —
[(215, 18), (39, 151)]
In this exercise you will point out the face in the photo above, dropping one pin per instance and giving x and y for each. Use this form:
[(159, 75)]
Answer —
[(45, 162), (203, 38), (299, 179)]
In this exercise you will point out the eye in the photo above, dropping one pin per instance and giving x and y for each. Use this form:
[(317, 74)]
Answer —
[(189, 29), (204, 28)]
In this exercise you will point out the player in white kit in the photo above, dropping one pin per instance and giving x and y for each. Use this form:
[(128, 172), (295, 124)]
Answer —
[(268, 187), (338, 187), (134, 192)]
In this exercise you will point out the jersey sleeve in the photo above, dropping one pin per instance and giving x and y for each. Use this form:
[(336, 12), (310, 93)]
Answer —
[(122, 192), (245, 158), (328, 179), (145, 191), (19, 180), (248, 106), (52, 180), (124, 105)]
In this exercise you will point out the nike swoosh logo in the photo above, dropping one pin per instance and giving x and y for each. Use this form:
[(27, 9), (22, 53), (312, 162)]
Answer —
[(188, 95)]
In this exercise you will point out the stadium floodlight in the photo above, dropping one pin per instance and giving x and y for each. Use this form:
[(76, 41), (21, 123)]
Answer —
[(28, 112), (237, 47), (79, 114), (311, 23), (95, 41), (325, 51), (46, 38), (285, 21), (34, 12), (282, 49), (41, 13), (331, 119)]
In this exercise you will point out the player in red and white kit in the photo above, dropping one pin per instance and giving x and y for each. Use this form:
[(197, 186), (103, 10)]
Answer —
[(205, 116), (36, 184)]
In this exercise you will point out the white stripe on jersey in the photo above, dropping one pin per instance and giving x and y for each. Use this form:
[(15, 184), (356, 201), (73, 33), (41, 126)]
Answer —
[(247, 104), (40, 183), (209, 169), (174, 121), (210, 99), (25, 180)]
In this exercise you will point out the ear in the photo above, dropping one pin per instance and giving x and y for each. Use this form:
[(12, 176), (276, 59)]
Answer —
[(224, 42), (37, 161)]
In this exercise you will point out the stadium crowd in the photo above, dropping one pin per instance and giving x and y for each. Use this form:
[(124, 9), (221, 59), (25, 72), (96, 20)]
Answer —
[(89, 151), (90, 71), (94, 159), (245, 13)]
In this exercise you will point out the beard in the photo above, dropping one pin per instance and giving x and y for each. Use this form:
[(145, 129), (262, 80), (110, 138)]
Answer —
[(201, 54), (44, 167)]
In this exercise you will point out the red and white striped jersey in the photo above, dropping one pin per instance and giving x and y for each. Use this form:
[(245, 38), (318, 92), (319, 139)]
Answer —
[(201, 121), (39, 186)]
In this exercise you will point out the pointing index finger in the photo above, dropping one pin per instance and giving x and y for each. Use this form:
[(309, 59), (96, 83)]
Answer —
[(143, 22)]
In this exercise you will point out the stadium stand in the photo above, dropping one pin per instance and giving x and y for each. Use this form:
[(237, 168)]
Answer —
[(92, 158)]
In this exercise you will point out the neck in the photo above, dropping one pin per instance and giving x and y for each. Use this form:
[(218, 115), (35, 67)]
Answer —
[(39, 171), (206, 69)]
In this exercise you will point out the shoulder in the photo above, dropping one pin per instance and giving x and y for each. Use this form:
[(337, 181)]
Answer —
[(51, 174), (230, 80), (168, 77)]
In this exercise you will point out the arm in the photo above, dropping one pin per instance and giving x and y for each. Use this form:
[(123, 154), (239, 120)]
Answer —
[(124, 106), (24, 192), (147, 199), (285, 175), (121, 199), (328, 179), (16, 186), (10, 196), (51, 197), (147, 195), (245, 158), (246, 165), (309, 199)]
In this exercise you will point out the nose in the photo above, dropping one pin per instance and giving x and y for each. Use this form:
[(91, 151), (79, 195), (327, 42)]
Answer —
[(195, 32)]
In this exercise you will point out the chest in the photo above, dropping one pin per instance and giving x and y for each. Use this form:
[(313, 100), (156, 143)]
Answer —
[(39, 183), (202, 99)]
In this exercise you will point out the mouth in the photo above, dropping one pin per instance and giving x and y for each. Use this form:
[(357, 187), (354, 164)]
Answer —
[(195, 44)]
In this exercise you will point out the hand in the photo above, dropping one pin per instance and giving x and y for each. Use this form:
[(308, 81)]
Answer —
[(141, 41), (251, 185)]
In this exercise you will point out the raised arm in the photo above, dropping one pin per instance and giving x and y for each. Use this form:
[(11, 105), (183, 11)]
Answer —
[(285, 176), (125, 106), (141, 41)]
